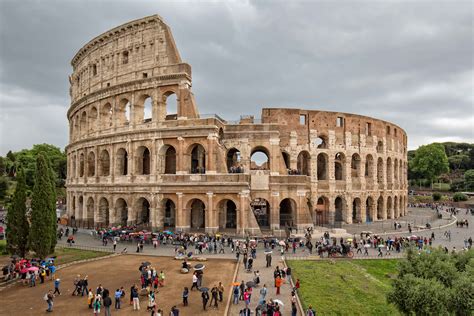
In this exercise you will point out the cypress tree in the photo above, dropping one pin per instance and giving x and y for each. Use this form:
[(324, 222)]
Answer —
[(52, 213), (17, 223), (40, 229)]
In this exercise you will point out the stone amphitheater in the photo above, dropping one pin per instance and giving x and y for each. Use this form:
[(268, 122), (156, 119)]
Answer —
[(140, 153)]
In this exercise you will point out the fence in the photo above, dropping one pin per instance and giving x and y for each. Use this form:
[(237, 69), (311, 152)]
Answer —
[(83, 247)]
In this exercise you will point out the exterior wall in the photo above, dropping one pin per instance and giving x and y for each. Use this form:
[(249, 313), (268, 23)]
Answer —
[(364, 159)]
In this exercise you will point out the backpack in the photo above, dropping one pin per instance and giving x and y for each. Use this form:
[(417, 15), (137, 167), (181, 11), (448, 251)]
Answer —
[(46, 297)]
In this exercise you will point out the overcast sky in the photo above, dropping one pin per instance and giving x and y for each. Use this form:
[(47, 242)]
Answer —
[(407, 62)]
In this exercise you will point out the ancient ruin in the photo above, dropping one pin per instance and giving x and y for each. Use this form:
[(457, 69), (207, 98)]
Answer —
[(140, 153)]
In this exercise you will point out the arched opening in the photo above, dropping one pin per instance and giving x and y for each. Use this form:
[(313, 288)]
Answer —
[(287, 213), (304, 163), (369, 167), (380, 171), (323, 166), (380, 210), (143, 212), (170, 160), (121, 212), (390, 214), (198, 214), (80, 208), (106, 116), (122, 162), (81, 165), (322, 209), (104, 218), (73, 173), (380, 147), (400, 172), (340, 210), (91, 164), (395, 171), (123, 112), (143, 109), (355, 166), (339, 162), (198, 159), (104, 163), (286, 159), (389, 170), (369, 206), (125, 57), (170, 214), (395, 207), (227, 214), (90, 213), (93, 116), (356, 211), (321, 142), (401, 207), (83, 123), (147, 110), (233, 161), (259, 159), (261, 209), (171, 104), (143, 160)]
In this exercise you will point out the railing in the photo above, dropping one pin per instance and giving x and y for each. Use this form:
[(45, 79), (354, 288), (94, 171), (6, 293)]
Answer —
[(83, 247)]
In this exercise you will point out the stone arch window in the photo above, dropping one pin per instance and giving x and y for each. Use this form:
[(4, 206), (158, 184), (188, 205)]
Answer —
[(400, 172), (143, 211), (380, 208), (106, 115), (90, 207), (356, 211), (304, 163), (125, 57), (198, 159), (121, 212), (198, 214), (123, 112), (76, 129), (81, 165), (74, 167), (104, 216), (287, 213), (170, 100), (259, 159), (104, 163), (170, 214), (234, 161), (323, 167), (355, 166), (94, 69), (80, 209), (122, 162), (340, 208), (396, 210), (389, 170), (286, 159), (93, 117), (168, 154), (322, 210), (83, 122), (389, 208), (143, 109), (380, 147), (339, 164), (227, 214), (369, 166), (401, 206), (143, 160), (380, 170), (91, 164), (370, 209), (261, 210), (321, 142), (395, 170)]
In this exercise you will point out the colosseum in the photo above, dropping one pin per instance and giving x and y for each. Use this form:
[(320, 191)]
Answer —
[(140, 153)]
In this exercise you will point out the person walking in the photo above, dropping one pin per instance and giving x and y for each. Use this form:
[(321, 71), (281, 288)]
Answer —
[(115, 244), (185, 296), (220, 289), (90, 298), (49, 298), (268, 259), (56, 286), (235, 293), (135, 298), (242, 289), (97, 304), (195, 282), (118, 296), (214, 294), (278, 283), (205, 299), (107, 303), (263, 294)]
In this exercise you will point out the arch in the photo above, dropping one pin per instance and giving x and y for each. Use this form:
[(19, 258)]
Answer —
[(322, 210), (143, 160), (146, 109), (370, 209), (380, 147), (380, 208), (80, 209), (233, 161), (106, 115), (83, 123), (340, 209), (339, 166), (323, 167), (74, 167), (395, 207), (321, 142), (380, 171), (304, 163), (369, 167), (400, 172), (104, 163), (170, 160), (401, 207), (390, 214), (123, 111), (91, 164), (389, 170), (260, 158), (198, 214), (356, 211), (261, 209), (355, 166), (286, 159), (93, 117), (81, 165), (121, 212), (227, 214), (90, 212), (143, 211), (395, 170), (170, 99), (122, 162), (288, 211), (104, 216), (198, 159), (169, 220)]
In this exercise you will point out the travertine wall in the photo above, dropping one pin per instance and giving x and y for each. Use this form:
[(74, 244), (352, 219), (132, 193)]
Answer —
[(132, 161)]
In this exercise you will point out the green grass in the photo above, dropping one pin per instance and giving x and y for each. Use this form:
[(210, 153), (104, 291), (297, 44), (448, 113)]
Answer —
[(346, 287), (66, 255), (441, 186)]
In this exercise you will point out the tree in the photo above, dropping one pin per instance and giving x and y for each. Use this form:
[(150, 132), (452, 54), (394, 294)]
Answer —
[(40, 229), (17, 223), (3, 187), (469, 179), (430, 161), (52, 199), (457, 162)]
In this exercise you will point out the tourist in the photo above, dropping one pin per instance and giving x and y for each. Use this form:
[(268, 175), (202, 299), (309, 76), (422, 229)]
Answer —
[(185, 296), (118, 296), (268, 259), (107, 301), (49, 298), (56, 286), (288, 273), (297, 284), (263, 294), (236, 294), (96, 305), (221, 290), (294, 310), (242, 289), (214, 294), (278, 283), (247, 298), (115, 244), (246, 312), (161, 279), (90, 298), (310, 311), (84, 283), (195, 282), (135, 298), (174, 311), (205, 299)]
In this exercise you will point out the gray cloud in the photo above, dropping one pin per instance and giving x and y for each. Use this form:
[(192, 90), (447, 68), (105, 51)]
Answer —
[(407, 62)]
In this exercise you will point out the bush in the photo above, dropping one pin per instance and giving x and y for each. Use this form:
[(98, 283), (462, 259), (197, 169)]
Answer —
[(459, 197), (436, 196)]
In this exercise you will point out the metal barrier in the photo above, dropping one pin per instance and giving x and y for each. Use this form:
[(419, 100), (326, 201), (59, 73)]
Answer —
[(83, 247)]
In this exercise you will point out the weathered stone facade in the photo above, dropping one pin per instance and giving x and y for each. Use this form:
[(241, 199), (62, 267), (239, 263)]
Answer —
[(132, 160)]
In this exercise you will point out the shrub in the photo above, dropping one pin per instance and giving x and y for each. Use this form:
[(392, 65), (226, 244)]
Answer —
[(459, 197), (436, 196)]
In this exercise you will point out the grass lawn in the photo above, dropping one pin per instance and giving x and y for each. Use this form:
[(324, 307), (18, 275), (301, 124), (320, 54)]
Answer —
[(345, 287), (66, 255)]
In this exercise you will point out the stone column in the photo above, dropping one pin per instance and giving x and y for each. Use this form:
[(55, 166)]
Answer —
[(363, 209), (243, 213), (332, 210), (211, 224), (275, 211), (181, 213), (180, 165), (274, 156), (210, 163)]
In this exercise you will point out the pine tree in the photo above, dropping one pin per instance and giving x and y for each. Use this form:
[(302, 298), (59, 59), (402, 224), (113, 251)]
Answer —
[(17, 223), (40, 229), (52, 213)]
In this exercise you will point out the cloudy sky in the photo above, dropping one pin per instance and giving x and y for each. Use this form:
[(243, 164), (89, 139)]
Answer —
[(407, 62)]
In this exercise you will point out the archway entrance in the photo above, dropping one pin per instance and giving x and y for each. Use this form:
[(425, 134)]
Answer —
[(339, 206), (169, 220), (143, 212), (356, 212), (121, 212), (198, 214), (104, 212), (369, 206), (287, 213), (90, 213), (261, 210), (227, 215), (198, 159), (322, 209), (380, 209)]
